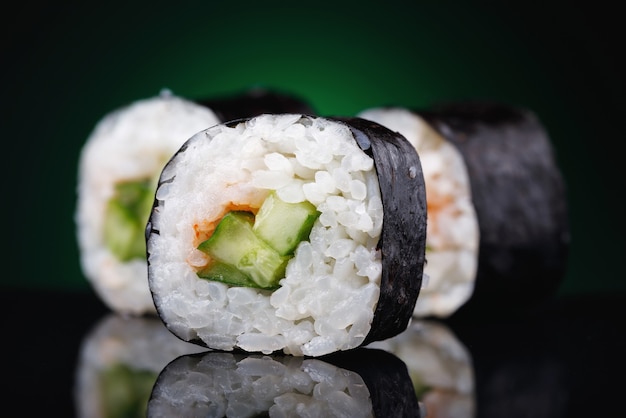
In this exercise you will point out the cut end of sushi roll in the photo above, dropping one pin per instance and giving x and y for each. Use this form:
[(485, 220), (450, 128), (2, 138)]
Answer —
[(221, 277), (453, 234), (360, 384), (118, 170)]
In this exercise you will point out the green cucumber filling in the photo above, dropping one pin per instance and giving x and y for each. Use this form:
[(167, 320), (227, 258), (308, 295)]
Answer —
[(125, 219), (253, 251), (421, 388)]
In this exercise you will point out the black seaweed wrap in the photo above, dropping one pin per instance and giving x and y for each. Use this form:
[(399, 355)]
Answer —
[(402, 241), (519, 196), (403, 236)]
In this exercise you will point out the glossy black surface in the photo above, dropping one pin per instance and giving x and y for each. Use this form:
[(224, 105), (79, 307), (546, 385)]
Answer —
[(564, 360)]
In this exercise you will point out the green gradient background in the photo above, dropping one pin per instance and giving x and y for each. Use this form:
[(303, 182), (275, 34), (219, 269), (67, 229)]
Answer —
[(65, 67)]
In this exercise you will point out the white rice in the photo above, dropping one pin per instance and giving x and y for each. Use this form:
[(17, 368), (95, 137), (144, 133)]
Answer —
[(452, 237), (327, 300), (130, 143), (222, 385)]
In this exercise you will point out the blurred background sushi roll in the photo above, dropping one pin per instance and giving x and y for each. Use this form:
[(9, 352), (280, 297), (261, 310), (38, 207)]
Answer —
[(288, 233), (118, 363), (362, 383), (118, 169), (498, 232)]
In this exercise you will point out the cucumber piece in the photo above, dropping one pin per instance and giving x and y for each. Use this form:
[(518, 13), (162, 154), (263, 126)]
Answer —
[(225, 273), (123, 235), (133, 194), (234, 243), (126, 391), (283, 225), (125, 219)]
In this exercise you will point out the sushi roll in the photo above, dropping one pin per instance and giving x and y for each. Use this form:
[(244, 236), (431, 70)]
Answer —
[(288, 232), (516, 237), (367, 383), (119, 362), (119, 166)]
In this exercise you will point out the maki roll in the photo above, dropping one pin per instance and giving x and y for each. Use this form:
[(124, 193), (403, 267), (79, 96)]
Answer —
[(119, 166), (118, 170), (288, 232), (518, 195)]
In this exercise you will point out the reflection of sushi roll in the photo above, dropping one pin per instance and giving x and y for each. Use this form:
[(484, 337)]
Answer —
[(119, 362), (217, 384), (119, 166), (288, 232), (518, 194), (387, 379), (439, 365)]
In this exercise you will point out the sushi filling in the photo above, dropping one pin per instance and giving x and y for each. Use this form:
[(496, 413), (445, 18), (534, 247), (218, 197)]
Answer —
[(452, 235), (125, 219), (326, 298), (249, 250)]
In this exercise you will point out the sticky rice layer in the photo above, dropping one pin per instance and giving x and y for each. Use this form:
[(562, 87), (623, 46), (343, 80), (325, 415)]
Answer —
[(327, 299), (130, 143)]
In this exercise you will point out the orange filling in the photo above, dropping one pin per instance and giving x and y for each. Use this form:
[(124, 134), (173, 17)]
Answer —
[(204, 229)]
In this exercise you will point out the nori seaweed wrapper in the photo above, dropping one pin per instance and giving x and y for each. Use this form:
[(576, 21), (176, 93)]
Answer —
[(403, 237), (520, 199)]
